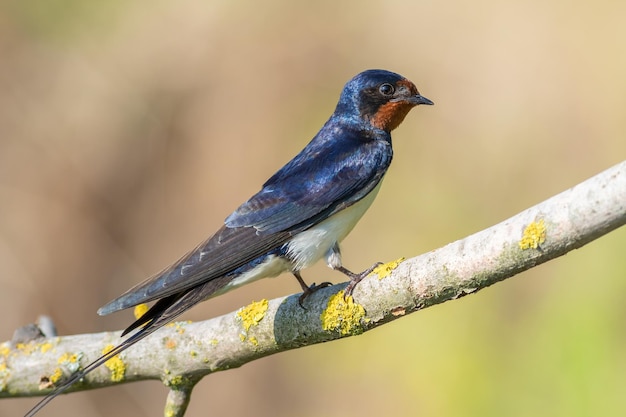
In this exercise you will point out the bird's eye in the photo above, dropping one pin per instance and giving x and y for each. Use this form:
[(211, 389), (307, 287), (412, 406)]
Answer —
[(386, 89)]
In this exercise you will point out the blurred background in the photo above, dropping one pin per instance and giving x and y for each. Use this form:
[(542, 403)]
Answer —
[(130, 130)]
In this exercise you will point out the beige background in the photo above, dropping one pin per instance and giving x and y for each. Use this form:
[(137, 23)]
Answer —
[(130, 130)]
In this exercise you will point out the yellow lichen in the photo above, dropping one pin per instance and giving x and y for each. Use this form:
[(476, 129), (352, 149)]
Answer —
[(343, 315), (26, 348), (252, 314), (140, 310), (5, 350), (56, 376), (67, 358), (46, 346), (115, 365), (179, 326), (533, 236), (170, 343), (384, 270), (174, 381), (5, 374), (70, 361)]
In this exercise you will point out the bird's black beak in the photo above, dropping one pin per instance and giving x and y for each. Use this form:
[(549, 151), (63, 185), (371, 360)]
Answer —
[(415, 100), (418, 99)]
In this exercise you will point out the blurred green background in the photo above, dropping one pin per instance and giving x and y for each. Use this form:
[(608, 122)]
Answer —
[(130, 130)]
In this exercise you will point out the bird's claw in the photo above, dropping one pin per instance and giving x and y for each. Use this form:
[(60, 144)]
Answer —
[(356, 278), (310, 290)]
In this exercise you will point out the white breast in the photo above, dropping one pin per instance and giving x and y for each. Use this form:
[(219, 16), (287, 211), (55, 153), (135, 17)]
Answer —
[(307, 247), (271, 267), (310, 246)]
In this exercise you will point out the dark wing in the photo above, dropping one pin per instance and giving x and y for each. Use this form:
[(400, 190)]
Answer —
[(226, 250), (324, 178)]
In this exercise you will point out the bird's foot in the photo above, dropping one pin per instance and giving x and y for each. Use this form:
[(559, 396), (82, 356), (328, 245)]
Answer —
[(308, 290), (356, 278)]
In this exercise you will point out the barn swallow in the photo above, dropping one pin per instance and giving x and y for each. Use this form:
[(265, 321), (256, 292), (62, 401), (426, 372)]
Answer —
[(300, 215)]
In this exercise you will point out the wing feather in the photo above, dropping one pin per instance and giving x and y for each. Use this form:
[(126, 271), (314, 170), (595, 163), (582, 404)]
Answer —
[(323, 179)]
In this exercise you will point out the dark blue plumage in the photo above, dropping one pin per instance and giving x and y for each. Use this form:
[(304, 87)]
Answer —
[(298, 217), (336, 169)]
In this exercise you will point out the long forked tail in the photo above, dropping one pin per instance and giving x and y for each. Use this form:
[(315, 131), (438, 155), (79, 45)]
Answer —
[(161, 313), (92, 366)]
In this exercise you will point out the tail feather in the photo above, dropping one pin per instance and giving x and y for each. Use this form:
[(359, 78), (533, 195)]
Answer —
[(156, 311), (161, 313), (89, 368)]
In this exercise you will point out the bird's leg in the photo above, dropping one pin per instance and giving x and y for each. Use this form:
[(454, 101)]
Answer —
[(355, 278), (333, 259), (308, 290)]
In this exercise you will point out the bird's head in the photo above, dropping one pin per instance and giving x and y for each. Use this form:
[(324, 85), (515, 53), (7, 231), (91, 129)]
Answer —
[(380, 98)]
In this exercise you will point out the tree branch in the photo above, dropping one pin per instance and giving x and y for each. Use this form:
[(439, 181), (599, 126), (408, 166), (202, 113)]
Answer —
[(182, 353)]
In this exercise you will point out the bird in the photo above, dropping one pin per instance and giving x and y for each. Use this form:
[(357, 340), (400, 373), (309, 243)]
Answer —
[(300, 215)]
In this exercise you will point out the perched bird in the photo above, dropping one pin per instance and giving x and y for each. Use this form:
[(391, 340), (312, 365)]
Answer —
[(299, 217)]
